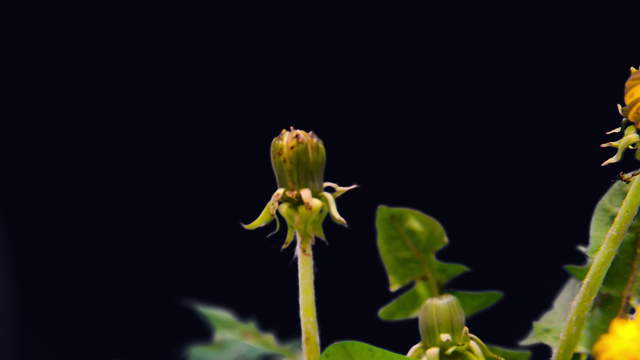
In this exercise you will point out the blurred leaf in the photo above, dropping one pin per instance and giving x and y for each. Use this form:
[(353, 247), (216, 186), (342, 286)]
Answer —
[(549, 327), (510, 354), (620, 278), (236, 340), (354, 350), (408, 241), (225, 350)]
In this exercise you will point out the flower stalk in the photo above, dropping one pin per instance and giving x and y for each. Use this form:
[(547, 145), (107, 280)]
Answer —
[(308, 317), (595, 276), (298, 160)]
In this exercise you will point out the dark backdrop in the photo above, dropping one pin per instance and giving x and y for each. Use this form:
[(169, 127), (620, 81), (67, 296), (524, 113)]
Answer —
[(135, 140)]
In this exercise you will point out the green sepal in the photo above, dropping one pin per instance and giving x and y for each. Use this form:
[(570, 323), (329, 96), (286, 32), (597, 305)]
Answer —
[(317, 223), (337, 189), (330, 201), (629, 139), (289, 238), (416, 352), (268, 213), (305, 219), (265, 218), (288, 213), (433, 354)]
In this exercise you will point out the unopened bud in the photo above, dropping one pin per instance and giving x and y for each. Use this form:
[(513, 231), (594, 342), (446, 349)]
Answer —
[(442, 321), (298, 159)]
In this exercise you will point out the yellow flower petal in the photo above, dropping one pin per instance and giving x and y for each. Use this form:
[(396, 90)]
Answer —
[(622, 342)]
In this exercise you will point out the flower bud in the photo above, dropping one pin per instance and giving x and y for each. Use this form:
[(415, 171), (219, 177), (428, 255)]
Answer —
[(632, 97), (298, 159), (442, 322)]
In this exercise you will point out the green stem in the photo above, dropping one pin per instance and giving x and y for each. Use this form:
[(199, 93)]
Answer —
[(308, 318), (427, 287), (593, 281), (433, 286)]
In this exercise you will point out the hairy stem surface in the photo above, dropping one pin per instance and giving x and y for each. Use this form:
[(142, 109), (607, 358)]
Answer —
[(308, 317), (593, 281)]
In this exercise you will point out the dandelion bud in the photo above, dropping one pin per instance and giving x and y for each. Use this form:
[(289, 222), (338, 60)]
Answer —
[(298, 159), (442, 320)]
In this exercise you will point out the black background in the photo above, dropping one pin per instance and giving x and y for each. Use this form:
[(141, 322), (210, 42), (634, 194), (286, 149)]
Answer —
[(136, 140)]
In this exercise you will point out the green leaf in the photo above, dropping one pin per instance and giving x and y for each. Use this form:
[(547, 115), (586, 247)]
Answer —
[(549, 327), (354, 350), (405, 306), (619, 280), (624, 267), (408, 241), (236, 340), (578, 272), (224, 350), (475, 301), (510, 354)]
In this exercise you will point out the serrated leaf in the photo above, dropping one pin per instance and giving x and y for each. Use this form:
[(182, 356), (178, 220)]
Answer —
[(548, 328), (621, 275), (355, 350), (408, 241), (234, 339), (510, 354), (474, 301)]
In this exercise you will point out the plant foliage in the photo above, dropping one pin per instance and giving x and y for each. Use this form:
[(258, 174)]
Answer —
[(620, 285), (354, 350), (408, 241), (237, 340)]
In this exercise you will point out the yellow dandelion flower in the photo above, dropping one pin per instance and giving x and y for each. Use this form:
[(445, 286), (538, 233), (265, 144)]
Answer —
[(622, 342)]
